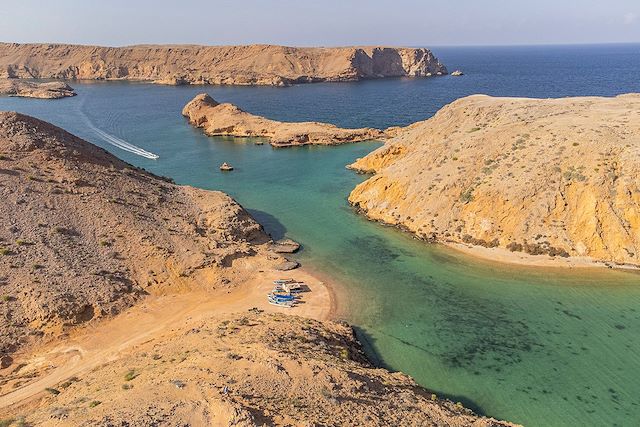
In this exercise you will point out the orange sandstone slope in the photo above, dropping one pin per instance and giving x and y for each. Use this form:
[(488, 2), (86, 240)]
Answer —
[(556, 176), (226, 119), (238, 65)]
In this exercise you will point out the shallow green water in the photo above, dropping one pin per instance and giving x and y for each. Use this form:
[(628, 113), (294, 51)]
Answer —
[(540, 347)]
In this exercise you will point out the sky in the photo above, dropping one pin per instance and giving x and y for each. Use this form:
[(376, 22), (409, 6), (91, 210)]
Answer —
[(321, 22)]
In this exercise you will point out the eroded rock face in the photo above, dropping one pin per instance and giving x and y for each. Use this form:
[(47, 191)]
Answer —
[(249, 369), (238, 65), (558, 177), (84, 234), (49, 90), (217, 119)]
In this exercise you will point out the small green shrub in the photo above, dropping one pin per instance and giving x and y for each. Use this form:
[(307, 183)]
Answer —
[(130, 375), (94, 403), (467, 195), (127, 386)]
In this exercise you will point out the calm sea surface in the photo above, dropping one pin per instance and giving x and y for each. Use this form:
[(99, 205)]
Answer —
[(543, 347)]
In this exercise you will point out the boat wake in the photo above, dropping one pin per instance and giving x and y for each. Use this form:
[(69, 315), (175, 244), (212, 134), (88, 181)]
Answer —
[(120, 143)]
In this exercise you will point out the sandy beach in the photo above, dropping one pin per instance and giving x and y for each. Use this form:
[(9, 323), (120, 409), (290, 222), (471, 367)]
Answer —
[(85, 348), (506, 256)]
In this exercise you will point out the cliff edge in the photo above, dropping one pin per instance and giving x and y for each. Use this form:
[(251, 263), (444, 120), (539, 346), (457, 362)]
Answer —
[(233, 65)]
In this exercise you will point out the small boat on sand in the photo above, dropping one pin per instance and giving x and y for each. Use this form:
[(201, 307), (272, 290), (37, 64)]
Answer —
[(281, 297), (226, 167), (280, 303)]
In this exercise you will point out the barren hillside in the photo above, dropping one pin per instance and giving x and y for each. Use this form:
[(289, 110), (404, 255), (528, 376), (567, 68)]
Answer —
[(559, 177), (84, 235), (247, 369)]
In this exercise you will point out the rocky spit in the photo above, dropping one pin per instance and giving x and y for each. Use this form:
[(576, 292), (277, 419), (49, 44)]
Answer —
[(217, 119), (26, 89)]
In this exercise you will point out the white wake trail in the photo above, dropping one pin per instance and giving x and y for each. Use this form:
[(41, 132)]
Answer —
[(120, 143)]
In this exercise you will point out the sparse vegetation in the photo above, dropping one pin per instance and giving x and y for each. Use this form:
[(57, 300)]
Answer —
[(53, 391), (130, 375), (94, 403), (466, 196)]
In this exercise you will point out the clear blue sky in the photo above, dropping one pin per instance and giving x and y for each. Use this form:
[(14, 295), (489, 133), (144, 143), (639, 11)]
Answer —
[(321, 22)]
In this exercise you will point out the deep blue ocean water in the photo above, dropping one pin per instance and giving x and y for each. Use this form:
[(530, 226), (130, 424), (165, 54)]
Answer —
[(543, 347)]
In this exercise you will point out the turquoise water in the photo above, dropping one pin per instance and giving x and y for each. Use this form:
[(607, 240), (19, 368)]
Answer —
[(544, 347)]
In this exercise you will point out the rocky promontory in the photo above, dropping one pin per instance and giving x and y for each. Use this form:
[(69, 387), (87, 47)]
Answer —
[(554, 177), (226, 119), (49, 90), (232, 65)]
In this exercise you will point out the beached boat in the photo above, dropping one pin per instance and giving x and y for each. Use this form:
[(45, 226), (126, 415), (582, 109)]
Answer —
[(293, 288), (281, 296), (281, 303)]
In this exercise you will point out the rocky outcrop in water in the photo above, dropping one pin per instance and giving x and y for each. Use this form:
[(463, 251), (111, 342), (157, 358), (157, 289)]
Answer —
[(237, 65), (50, 90), (217, 119), (558, 177)]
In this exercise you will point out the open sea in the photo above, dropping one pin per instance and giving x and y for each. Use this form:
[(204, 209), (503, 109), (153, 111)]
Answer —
[(541, 347)]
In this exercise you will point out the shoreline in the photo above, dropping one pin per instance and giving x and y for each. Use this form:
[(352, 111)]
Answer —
[(505, 256)]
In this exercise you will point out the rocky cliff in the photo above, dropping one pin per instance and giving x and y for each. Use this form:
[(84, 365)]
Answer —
[(558, 177), (84, 235), (238, 65), (51, 90), (226, 119)]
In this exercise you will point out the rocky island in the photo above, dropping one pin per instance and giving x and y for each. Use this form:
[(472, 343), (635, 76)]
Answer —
[(228, 120), (119, 286), (553, 177), (49, 90), (232, 65)]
